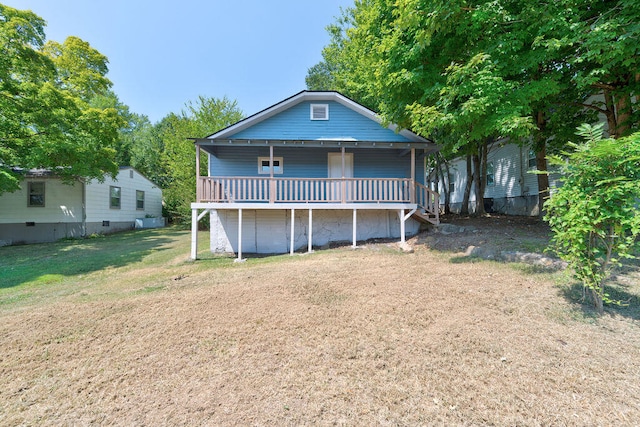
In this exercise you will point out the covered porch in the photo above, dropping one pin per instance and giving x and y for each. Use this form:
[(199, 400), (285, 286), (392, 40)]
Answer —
[(404, 196)]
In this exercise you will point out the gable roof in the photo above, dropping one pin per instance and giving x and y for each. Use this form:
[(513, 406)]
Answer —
[(256, 127)]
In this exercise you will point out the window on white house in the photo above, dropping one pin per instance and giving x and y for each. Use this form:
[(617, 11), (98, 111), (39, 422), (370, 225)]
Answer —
[(263, 166), (452, 183), (139, 200), (115, 194), (491, 181), (531, 162), (36, 194), (319, 112)]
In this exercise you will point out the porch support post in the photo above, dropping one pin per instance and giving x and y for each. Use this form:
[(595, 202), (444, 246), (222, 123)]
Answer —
[(198, 184), (310, 243), (355, 216), (239, 259), (272, 183), (413, 176), (194, 234), (271, 161), (293, 218), (402, 220), (343, 184)]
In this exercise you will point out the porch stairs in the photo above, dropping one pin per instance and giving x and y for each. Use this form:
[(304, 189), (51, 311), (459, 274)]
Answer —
[(428, 205), (421, 215)]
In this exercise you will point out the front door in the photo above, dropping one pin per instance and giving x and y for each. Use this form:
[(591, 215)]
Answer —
[(335, 171)]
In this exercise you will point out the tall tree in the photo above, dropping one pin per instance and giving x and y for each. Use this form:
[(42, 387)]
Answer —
[(199, 118), (480, 70), (46, 118)]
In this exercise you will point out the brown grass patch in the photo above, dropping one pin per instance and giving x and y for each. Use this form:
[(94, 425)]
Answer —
[(340, 337)]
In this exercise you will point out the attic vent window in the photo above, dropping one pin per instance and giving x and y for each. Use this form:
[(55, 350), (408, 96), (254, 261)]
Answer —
[(319, 111)]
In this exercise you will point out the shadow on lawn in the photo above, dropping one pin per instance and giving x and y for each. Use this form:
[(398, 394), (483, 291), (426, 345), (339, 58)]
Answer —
[(53, 261), (622, 287)]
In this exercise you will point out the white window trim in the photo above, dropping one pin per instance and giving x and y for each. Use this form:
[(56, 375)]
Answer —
[(119, 198), (137, 200), (326, 111), (44, 191), (492, 174), (268, 172), (531, 155)]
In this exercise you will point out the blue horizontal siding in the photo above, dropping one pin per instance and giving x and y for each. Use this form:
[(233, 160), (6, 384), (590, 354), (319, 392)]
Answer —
[(312, 162), (295, 124)]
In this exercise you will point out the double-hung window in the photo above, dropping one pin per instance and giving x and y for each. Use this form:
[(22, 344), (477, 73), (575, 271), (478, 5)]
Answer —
[(264, 169), (36, 194), (139, 200), (115, 196), (491, 180)]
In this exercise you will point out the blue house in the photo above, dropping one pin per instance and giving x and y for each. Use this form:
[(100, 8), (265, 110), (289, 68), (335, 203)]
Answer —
[(312, 169)]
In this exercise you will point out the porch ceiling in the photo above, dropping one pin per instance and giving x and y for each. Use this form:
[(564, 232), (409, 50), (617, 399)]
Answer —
[(208, 144)]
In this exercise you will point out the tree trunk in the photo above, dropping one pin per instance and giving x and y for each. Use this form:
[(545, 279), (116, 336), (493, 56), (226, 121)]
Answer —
[(464, 210), (541, 162), (480, 183), (610, 113), (623, 112), (598, 303), (543, 178), (445, 182)]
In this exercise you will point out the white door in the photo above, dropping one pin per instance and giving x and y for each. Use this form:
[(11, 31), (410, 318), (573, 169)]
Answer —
[(335, 171)]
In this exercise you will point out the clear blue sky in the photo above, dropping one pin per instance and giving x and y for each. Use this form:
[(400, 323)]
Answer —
[(164, 53)]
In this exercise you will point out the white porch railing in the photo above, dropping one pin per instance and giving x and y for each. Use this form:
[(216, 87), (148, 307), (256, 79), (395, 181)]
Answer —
[(303, 190), (320, 190)]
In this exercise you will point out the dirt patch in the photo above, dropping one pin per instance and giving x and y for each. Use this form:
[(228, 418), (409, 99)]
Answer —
[(372, 336), (494, 233)]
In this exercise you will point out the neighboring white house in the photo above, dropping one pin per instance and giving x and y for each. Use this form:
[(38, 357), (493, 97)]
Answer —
[(45, 209), (512, 185)]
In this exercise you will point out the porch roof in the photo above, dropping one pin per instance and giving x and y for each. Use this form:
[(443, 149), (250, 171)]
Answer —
[(208, 144)]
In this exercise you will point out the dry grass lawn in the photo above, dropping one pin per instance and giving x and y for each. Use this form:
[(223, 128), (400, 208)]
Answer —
[(340, 337)]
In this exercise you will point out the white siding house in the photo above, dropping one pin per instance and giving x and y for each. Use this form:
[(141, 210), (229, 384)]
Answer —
[(45, 209), (512, 185)]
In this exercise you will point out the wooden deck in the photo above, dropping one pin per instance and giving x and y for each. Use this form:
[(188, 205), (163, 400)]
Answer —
[(408, 198), (329, 191)]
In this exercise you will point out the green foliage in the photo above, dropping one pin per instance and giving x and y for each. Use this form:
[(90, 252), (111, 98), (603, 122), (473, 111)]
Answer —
[(177, 160), (320, 77), (595, 214), (46, 89), (482, 70)]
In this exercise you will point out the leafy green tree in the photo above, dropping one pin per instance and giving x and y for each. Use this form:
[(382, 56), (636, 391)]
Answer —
[(46, 89), (479, 70), (200, 118), (595, 214), (320, 77)]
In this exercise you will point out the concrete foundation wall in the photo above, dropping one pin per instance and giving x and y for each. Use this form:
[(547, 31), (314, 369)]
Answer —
[(39, 232), (42, 232), (269, 231), (113, 227)]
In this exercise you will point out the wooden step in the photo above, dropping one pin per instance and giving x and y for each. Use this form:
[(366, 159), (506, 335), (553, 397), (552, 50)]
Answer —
[(425, 217)]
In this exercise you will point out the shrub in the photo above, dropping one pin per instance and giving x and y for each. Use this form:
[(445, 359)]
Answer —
[(595, 214)]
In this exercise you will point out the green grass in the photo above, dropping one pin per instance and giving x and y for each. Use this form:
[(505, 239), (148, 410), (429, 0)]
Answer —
[(106, 265)]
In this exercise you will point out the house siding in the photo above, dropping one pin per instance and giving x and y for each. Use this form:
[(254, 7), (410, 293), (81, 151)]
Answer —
[(97, 197), (295, 124), (313, 162), (515, 190), (63, 203), (61, 217)]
